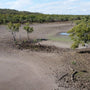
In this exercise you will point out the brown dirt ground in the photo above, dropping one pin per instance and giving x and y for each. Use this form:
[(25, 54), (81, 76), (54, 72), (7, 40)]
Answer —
[(24, 69)]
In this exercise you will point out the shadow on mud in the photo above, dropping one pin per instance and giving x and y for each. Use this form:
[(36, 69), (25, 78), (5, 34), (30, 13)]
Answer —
[(82, 51), (33, 41), (36, 46)]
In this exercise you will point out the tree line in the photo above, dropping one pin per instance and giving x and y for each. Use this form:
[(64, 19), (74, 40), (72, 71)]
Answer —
[(14, 16)]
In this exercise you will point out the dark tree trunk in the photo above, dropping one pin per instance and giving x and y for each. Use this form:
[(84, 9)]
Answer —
[(14, 36), (28, 36)]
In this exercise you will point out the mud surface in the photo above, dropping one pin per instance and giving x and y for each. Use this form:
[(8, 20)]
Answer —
[(47, 66)]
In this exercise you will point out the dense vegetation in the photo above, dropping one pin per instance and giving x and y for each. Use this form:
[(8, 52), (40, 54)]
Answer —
[(12, 11), (14, 16), (80, 34)]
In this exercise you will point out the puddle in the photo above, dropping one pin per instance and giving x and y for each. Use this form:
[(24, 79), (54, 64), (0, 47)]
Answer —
[(66, 34)]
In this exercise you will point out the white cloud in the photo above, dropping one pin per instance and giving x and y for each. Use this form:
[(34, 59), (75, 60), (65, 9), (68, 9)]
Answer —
[(52, 7), (64, 6), (19, 4)]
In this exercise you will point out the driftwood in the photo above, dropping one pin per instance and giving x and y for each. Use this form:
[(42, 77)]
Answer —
[(63, 76), (73, 76)]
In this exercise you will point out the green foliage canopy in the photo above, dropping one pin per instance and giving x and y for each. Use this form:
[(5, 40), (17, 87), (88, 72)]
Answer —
[(80, 34), (13, 29), (28, 29)]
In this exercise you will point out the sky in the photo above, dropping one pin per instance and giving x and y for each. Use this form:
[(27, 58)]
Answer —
[(75, 7)]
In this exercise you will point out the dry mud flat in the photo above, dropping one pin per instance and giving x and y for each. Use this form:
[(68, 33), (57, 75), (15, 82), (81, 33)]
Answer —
[(57, 69)]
